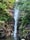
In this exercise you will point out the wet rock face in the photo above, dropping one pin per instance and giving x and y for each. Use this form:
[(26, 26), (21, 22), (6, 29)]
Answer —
[(9, 27), (2, 34)]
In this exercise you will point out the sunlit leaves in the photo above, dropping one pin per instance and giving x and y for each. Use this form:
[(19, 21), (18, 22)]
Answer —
[(4, 5)]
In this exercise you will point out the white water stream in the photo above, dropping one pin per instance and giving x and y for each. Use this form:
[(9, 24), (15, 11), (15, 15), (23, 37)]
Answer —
[(16, 14)]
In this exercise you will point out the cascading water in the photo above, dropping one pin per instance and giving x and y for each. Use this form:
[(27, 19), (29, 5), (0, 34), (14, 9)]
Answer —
[(16, 21), (16, 14)]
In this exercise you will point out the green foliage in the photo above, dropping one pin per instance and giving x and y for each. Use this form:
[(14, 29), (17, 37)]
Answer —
[(4, 5), (3, 15), (24, 5), (26, 8)]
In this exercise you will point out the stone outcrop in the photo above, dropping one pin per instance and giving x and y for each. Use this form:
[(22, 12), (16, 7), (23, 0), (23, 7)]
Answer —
[(9, 27)]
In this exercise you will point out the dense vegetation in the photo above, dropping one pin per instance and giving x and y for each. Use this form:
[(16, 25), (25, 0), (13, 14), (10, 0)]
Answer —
[(4, 6), (24, 7)]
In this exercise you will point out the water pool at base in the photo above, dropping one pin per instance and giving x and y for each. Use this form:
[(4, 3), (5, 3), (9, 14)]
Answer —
[(10, 38)]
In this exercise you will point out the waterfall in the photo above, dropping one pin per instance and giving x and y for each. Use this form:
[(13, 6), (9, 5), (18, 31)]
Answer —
[(16, 21), (16, 14)]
